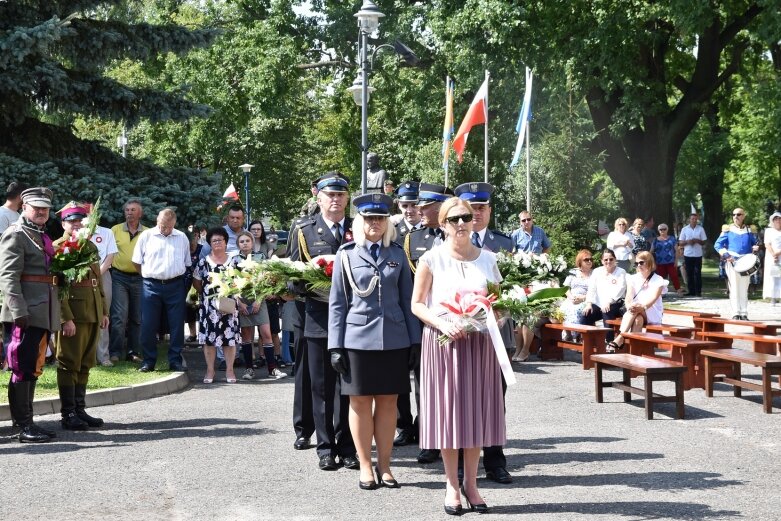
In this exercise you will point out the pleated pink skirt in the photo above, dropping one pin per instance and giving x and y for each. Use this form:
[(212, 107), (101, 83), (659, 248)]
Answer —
[(461, 404)]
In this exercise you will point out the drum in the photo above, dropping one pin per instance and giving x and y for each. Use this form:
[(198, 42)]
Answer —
[(747, 265)]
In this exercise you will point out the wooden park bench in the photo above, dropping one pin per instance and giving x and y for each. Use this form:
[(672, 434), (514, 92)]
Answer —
[(768, 344), (689, 313), (708, 324), (670, 329), (770, 364), (653, 369), (683, 351), (552, 348)]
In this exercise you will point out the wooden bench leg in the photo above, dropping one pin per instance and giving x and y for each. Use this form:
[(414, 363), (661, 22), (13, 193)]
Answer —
[(767, 395), (708, 377), (649, 397), (627, 379), (737, 391), (598, 381), (679, 409)]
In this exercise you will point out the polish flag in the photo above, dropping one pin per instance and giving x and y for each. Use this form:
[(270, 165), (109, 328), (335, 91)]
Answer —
[(231, 193), (475, 115)]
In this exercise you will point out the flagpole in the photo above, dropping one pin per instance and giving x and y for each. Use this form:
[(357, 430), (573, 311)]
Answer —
[(528, 170), (485, 175), (447, 90)]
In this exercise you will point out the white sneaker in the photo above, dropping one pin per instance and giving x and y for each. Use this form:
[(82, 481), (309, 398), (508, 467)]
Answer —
[(249, 374), (277, 374)]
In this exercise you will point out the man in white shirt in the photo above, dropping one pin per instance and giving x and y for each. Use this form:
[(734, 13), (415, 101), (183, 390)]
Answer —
[(9, 212), (692, 238), (161, 255), (104, 240)]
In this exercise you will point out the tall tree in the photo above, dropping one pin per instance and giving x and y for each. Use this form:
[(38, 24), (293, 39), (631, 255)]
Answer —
[(52, 70)]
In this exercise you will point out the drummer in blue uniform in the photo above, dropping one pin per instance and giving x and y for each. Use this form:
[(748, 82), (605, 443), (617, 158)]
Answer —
[(370, 330), (416, 243), (407, 201), (732, 244), (479, 196), (323, 234)]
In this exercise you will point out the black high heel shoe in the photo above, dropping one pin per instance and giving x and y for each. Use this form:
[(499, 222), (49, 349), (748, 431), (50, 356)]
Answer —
[(367, 485), (390, 483), (454, 510), (480, 508)]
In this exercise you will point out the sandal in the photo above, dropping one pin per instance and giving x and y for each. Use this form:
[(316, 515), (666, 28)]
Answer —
[(612, 347)]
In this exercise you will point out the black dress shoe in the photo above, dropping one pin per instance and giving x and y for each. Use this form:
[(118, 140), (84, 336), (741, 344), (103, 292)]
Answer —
[(404, 438), (328, 462), (301, 443), (48, 432), (31, 434), (500, 475), (71, 422), (456, 510), (133, 357), (428, 456), (146, 368), (89, 420), (350, 462)]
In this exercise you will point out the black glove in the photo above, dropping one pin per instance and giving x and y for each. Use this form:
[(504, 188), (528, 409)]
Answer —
[(414, 357), (21, 322), (339, 361)]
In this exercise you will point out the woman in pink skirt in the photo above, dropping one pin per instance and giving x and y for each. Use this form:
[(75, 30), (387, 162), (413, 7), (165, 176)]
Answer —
[(460, 389)]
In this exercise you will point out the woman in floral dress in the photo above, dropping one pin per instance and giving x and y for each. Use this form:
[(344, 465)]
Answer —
[(215, 329)]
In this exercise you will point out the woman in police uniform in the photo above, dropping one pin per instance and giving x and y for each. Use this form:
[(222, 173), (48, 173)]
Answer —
[(370, 329)]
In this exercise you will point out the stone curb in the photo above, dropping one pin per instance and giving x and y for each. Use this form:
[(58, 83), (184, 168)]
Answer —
[(169, 384)]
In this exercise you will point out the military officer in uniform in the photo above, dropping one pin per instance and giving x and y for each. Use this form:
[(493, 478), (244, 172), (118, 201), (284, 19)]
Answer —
[(479, 196), (321, 235), (84, 314), (31, 309), (407, 203), (416, 243)]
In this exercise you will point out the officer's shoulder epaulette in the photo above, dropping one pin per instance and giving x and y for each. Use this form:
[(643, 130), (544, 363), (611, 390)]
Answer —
[(303, 222), (347, 246)]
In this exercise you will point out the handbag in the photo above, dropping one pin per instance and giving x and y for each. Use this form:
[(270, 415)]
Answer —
[(226, 305)]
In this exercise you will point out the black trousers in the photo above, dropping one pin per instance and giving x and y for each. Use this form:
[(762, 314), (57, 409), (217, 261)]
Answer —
[(693, 274), (303, 420), (404, 421), (329, 407), (597, 314)]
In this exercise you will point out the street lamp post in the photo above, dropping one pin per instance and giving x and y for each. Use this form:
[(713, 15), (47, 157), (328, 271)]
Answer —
[(246, 167), (368, 22)]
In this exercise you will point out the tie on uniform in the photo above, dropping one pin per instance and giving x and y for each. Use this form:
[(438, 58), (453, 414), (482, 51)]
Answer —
[(338, 233), (476, 239), (375, 251)]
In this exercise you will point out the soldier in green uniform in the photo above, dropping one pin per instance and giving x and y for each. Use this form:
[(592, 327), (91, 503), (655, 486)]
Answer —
[(416, 243), (84, 314), (30, 309)]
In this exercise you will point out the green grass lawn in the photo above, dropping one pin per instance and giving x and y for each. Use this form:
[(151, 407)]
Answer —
[(121, 375)]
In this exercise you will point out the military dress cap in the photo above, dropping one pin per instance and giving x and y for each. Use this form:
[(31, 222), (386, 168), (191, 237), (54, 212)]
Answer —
[(40, 197), (408, 191), (333, 182), (430, 193), (73, 211), (475, 193), (373, 204)]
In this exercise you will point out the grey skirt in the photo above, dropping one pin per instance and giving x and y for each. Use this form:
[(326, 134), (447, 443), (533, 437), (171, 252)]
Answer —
[(258, 319)]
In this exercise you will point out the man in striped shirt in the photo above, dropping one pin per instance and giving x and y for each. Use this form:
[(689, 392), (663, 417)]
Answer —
[(161, 255)]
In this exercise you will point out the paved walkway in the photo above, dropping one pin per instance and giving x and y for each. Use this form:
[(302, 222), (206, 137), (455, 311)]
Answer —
[(224, 452)]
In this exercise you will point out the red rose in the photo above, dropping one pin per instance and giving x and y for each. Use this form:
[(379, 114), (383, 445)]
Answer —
[(321, 262), (329, 269)]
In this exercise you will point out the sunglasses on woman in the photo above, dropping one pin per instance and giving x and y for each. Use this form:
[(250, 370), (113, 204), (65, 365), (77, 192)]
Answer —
[(639, 263), (466, 218)]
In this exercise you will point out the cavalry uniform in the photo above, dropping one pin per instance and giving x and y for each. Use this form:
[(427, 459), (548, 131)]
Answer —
[(30, 311), (84, 305), (311, 238)]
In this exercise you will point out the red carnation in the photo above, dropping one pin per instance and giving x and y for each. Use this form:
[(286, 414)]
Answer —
[(321, 262), (329, 269)]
